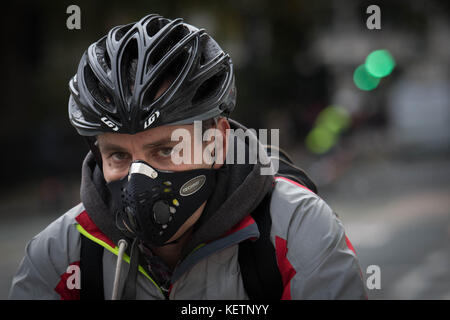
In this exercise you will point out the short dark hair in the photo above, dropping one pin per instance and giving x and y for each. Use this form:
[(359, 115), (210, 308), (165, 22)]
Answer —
[(209, 123)]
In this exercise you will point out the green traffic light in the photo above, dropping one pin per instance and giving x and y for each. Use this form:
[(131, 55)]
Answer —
[(380, 63), (334, 118), (319, 140), (364, 80)]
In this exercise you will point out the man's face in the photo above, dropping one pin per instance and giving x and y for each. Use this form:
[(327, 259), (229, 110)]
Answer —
[(153, 146)]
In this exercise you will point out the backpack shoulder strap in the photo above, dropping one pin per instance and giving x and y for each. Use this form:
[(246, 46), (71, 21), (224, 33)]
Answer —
[(91, 269), (257, 260)]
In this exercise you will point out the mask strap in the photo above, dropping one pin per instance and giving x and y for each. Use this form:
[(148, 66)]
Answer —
[(93, 146), (215, 145)]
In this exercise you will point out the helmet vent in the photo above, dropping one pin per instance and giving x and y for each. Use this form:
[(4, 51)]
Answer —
[(166, 44), (209, 88), (128, 67), (102, 56), (121, 31), (107, 60), (98, 92), (153, 27), (165, 78)]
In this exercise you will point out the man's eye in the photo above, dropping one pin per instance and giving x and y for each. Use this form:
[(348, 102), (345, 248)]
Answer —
[(164, 152), (119, 156)]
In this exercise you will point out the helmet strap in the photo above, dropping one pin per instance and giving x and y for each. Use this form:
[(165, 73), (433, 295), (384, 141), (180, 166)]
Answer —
[(93, 146)]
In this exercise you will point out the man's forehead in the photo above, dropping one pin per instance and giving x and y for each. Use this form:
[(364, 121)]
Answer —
[(151, 136)]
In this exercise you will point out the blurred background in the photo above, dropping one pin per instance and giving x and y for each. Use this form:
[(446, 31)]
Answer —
[(365, 112)]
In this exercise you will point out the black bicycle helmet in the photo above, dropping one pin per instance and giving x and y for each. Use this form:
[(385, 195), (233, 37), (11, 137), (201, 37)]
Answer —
[(118, 77)]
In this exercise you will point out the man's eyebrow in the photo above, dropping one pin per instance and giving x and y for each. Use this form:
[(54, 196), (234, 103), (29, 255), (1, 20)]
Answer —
[(159, 142), (108, 146)]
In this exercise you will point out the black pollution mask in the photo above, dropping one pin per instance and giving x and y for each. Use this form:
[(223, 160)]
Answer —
[(154, 204)]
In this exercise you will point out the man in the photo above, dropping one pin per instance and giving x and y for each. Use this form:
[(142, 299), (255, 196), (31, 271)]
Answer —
[(179, 224)]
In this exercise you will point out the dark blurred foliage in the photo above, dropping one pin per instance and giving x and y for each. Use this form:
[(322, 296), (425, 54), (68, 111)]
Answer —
[(276, 73)]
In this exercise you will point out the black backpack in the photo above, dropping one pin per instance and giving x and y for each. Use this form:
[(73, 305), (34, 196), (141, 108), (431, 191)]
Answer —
[(257, 260)]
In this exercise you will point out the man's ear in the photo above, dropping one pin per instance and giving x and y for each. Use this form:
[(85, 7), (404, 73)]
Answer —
[(223, 126)]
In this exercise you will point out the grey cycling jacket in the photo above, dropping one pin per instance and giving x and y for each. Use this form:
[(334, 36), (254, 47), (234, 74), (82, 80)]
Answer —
[(314, 256)]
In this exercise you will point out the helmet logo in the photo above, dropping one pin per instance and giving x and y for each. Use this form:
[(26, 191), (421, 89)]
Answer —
[(151, 119), (110, 124)]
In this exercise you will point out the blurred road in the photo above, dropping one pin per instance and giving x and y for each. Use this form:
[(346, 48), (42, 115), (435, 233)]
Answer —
[(396, 214), (14, 235)]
